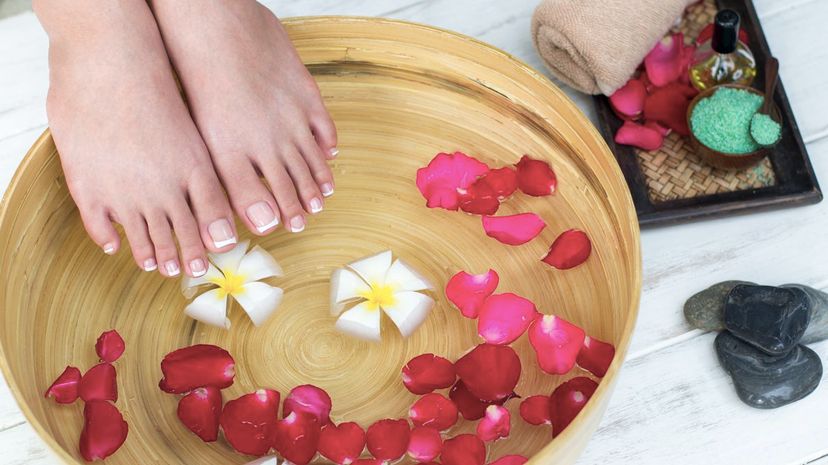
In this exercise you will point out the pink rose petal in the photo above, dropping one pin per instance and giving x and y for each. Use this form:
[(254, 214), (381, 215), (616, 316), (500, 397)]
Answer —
[(495, 425), (628, 101), (639, 135), (468, 291), (556, 343), (664, 62), (505, 317), (513, 229), (447, 177)]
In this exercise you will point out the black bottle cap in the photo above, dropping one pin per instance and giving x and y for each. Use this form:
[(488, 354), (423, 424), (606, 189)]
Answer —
[(725, 31)]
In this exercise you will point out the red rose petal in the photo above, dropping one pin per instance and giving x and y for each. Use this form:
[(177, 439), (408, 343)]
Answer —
[(468, 291), (197, 366), (668, 106), (628, 101), (503, 318), (309, 399), (470, 407), (369, 462), (513, 229), (99, 383), (296, 437), (249, 422), (200, 411), (663, 130), (568, 400), (535, 410), (388, 439), (637, 135), (596, 356), (464, 449), (490, 372), (110, 346), (479, 199), (569, 250), (446, 177), (510, 460), (535, 177), (342, 444), (556, 343), (495, 425), (434, 411), (663, 63), (424, 444), (104, 430), (502, 181), (65, 388), (427, 372)]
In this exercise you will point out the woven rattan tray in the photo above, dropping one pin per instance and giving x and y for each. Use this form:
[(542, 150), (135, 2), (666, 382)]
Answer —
[(673, 184)]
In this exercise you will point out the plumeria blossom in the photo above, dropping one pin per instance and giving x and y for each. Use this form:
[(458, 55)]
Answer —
[(237, 274), (379, 284)]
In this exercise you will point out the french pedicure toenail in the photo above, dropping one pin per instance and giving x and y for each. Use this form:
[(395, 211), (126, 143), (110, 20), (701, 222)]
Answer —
[(297, 224), (197, 267), (316, 205), (109, 249), (327, 189), (172, 268), (150, 265), (261, 215), (221, 233), (334, 152)]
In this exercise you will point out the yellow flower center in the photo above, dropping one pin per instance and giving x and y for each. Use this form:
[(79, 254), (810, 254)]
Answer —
[(229, 284), (380, 295)]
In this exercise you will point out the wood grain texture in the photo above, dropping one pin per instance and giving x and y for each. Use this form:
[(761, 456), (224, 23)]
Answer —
[(400, 93)]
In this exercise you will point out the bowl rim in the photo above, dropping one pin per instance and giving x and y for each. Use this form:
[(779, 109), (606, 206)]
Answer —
[(605, 386)]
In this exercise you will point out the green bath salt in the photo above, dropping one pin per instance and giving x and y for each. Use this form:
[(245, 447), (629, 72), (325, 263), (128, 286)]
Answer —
[(764, 130), (722, 121)]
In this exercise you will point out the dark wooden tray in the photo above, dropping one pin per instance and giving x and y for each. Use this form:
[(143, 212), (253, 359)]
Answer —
[(795, 181)]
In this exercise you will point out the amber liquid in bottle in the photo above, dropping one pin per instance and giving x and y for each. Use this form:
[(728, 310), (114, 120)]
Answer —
[(723, 59)]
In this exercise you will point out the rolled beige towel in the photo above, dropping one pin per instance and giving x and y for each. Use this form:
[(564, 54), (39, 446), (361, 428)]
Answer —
[(596, 45)]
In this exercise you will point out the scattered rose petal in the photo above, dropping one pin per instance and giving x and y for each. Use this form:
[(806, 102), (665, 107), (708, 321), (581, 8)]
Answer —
[(434, 411), (446, 177), (568, 400), (99, 383), (464, 449), (503, 318), (628, 101), (490, 372), (503, 181), (535, 177), (296, 437), (495, 425), (200, 411), (663, 130), (104, 430), (427, 372), (596, 356), (470, 407), (65, 388), (341, 444), (556, 343), (110, 346), (479, 199), (388, 439), (535, 410), (663, 63), (569, 250), (639, 135), (668, 107), (249, 422), (510, 460), (309, 399), (197, 366), (468, 291), (424, 444), (513, 229)]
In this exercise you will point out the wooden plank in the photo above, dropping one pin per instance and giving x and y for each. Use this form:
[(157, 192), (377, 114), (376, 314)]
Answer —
[(22, 446)]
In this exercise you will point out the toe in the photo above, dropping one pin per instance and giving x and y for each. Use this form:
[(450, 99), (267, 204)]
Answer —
[(193, 257), (317, 165), (304, 184), (165, 250), (285, 193), (100, 229), (251, 200), (143, 251), (323, 129), (212, 211)]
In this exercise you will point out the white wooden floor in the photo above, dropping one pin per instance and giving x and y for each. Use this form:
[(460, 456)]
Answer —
[(673, 403)]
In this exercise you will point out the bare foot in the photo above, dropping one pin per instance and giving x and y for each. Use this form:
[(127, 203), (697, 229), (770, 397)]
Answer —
[(256, 106), (129, 149)]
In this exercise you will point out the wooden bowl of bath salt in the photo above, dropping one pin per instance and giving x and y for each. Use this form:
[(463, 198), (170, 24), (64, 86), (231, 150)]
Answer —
[(399, 93)]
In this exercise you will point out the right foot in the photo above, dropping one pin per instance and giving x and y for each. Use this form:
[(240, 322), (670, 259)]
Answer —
[(129, 149)]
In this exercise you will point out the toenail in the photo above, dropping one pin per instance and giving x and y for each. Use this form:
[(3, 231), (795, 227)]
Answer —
[(297, 224), (334, 152), (327, 189), (316, 205), (197, 267), (221, 233), (150, 265), (109, 249), (261, 215), (172, 268)]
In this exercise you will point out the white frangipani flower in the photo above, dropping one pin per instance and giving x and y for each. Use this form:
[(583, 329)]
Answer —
[(377, 284), (236, 274)]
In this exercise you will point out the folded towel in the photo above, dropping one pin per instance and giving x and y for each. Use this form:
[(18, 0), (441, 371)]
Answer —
[(595, 46)]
